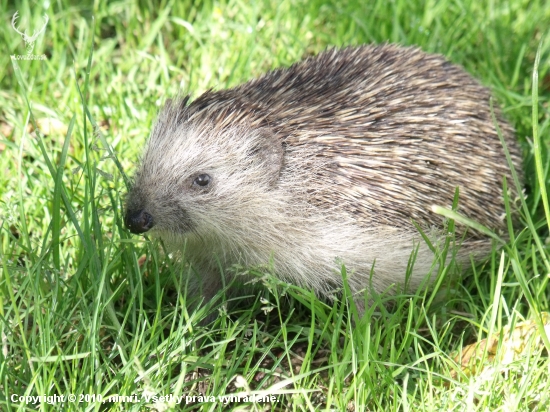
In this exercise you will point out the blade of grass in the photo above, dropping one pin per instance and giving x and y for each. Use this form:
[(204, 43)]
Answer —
[(537, 147), (457, 217), (56, 206)]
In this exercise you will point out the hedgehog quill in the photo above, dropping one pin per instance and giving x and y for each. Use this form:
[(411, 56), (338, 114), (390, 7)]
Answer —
[(326, 162)]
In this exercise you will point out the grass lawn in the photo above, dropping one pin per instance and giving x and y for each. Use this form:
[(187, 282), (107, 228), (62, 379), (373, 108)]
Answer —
[(88, 310)]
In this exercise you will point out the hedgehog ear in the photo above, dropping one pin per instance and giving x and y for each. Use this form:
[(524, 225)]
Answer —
[(269, 151)]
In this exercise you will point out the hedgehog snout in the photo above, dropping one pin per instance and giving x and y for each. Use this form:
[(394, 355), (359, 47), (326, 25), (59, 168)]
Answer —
[(138, 221)]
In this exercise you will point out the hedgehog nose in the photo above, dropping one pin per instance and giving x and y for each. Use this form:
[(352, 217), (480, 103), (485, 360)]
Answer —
[(138, 221)]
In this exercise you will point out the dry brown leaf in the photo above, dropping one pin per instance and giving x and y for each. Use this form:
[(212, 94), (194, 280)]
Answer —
[(504, 347)]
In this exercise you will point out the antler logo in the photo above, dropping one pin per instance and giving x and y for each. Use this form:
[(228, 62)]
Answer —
[(29, 40)]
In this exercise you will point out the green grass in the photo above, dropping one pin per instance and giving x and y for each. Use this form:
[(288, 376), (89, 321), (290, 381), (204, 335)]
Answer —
[(87, 309)]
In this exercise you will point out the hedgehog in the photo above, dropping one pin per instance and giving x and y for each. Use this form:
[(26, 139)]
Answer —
[(335, 160)]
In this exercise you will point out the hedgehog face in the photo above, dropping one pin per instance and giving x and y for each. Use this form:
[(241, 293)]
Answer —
[(198, 180)]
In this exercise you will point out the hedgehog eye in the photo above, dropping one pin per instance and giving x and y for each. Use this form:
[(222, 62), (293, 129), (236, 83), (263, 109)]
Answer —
[(202, 180)]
